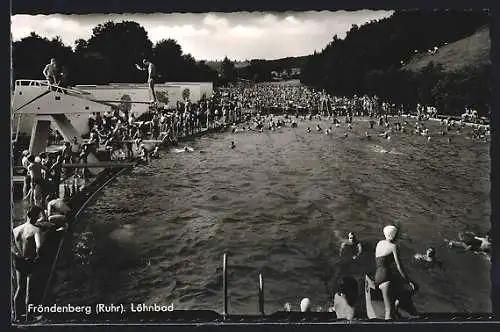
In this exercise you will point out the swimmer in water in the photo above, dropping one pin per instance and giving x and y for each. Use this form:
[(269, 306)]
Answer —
[(155, 154), (308, 130), (188, 149), (385, 134), (352, 246), (429, 257), (469, 241), (318, 128), (232, 145)]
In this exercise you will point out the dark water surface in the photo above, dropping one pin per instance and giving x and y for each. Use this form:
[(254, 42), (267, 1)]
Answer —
[(275, 203)]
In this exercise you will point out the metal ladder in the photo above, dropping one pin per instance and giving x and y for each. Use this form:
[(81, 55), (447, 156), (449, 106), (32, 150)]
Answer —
[(18, 124)]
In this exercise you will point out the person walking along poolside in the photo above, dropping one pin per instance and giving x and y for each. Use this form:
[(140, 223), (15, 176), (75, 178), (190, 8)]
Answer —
[(35, 168), (151, 68), (26, 242), (27, 180)]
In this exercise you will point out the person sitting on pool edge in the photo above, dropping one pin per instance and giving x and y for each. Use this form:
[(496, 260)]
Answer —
[(353, 246), (58, 212)]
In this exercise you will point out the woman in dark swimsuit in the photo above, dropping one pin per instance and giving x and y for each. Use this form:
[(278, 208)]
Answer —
[(389, 269)]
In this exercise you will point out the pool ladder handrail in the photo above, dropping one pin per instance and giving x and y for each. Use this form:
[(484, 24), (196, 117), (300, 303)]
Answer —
[(225, 313)]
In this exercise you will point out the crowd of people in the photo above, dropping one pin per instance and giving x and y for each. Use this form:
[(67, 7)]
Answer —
[(390, 279), (47, 212), (121, 133), (301, 102), (122, 136), (114, 135), (271, 98)]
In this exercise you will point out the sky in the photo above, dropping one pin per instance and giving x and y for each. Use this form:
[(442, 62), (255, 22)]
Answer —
[(212, 36)]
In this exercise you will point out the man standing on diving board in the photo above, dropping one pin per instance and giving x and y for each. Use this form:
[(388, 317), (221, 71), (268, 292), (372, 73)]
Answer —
[(150, 67), (50, 73)]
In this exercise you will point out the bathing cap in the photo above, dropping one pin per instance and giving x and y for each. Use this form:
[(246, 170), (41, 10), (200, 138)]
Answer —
[(37, 159), (305, 305), (390, 232)]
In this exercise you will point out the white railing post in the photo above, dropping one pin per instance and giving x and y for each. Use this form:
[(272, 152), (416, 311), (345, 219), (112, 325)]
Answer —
[(224, 285)]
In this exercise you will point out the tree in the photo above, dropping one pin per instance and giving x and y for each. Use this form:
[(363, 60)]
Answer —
[(228, 71), (366, 61), (32, 53), (168, 60), (113, 50)]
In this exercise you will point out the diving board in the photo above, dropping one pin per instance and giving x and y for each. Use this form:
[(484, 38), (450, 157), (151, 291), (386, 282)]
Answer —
[(102, 164), (53, 102), (125, 101)]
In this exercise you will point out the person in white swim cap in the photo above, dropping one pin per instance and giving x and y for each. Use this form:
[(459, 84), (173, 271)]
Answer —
[(390, 232), (305, 305), (389, 269)]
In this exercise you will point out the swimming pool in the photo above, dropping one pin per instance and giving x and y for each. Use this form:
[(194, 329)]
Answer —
[(275, 202)]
